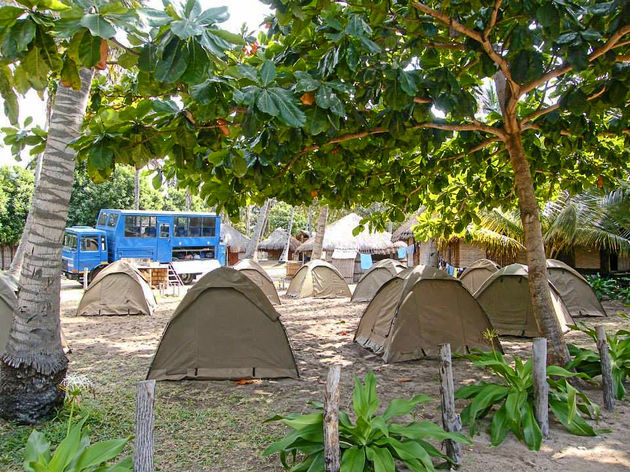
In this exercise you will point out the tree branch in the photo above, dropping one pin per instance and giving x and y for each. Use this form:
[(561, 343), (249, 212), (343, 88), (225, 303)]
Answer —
[(558, 71), (475, 126), (485, 43), (493, 20), (551, 108), (129, 50), (422, 100)]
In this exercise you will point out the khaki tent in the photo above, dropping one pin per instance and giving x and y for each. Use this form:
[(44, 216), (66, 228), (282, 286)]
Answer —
[(575, 291), (259, 276), (119, 289), (224, 328), (505, 298), (417, 310), (477, 273), (318, 279), (8, 300), (374, 279)]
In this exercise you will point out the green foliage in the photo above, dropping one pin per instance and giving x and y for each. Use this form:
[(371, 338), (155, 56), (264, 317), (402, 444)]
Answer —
[(373, 442), (16, 188), (513, 396), (606, 288), (587, 360)]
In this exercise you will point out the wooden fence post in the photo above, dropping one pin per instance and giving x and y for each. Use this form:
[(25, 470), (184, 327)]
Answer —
[(145, 400), (331, 421), (604, 356), (450, 419), (541, 387), (85, 278)]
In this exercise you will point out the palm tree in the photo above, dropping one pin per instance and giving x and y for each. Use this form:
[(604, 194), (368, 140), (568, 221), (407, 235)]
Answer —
[(34, 363)]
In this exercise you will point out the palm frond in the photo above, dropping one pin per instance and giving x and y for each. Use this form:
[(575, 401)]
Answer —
[(507, 223)]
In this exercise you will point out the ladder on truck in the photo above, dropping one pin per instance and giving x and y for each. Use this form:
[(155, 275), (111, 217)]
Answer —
[(174, 280)]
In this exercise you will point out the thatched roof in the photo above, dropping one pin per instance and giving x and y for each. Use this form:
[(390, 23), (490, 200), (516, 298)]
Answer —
[(339, 236), (233, 238), (404, 232), (277, 240)]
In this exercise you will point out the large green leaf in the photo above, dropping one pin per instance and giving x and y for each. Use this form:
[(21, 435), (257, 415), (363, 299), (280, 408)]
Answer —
[(8, 15), (67, 448), (499, 426), (36, 447), (186, 28), (353, 459), (173, 63), (267, 73), (531, 431), (11, 107), (89, 50), (401, 406), (577, 425), (381, 458), (289, 113), (100, 453), (17, 38), (266, 103), (98, 26), (364, 399)]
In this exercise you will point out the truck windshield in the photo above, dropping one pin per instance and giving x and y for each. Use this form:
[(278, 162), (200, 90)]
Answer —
[(102, 218), (70, 241)]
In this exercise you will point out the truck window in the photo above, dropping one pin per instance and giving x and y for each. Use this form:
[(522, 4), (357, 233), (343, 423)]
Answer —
[(140, 226), (113, 219), (70, 241), (181, 227), (208, 227), (89, 243), (195, 226), (165, 230), (103, 245), (102, 218)]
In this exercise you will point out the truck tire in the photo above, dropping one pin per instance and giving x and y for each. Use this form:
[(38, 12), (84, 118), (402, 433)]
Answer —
[(187, 279)]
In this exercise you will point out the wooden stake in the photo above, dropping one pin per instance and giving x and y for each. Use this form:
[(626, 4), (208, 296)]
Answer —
[(331, 421), (450, 419), (604, 356), (145, 400), (85, 278), (541, 387)]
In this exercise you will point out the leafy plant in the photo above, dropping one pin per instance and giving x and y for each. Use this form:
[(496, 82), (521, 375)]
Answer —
[(587, 360), (514, 396), (604, 287), (373, 443)]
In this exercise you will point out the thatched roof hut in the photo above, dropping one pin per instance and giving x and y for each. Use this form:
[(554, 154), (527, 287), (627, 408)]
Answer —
[(339, 236), (277, 240), (233, 239)]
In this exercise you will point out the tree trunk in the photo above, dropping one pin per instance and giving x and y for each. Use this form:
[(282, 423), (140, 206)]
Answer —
[(430, 255), (319, 236), (540, 296), (310, 221), (252, 246), (285, 252), (248, 215), (34, 363), (188, 200), (136, 191), (18, 259)]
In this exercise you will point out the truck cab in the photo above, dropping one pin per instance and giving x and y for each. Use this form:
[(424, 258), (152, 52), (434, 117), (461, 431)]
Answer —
[(84, 247)]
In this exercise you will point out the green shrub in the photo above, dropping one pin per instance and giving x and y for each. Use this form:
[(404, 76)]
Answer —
[(514, 397), (604, 287), (587, 360), (373, 443)]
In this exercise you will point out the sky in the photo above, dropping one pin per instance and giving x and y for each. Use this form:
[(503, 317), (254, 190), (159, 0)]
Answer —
[(250, 12)]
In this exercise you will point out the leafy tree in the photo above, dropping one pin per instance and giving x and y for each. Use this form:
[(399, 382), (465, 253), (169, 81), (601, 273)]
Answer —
[(381, 101), (279, 216), (16, 188)]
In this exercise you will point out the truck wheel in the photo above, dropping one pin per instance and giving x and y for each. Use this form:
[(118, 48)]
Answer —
[(187, 279), (94, 273)]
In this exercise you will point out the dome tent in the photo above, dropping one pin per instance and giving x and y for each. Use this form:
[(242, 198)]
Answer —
[(374, 279), (476, 274), (119, 289), (575, 291), (318, 279), (417, 310), (505, 298), (259, 276), (224, 328)]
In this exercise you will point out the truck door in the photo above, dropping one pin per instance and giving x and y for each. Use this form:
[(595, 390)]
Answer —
[(90, 253), (164, 246)]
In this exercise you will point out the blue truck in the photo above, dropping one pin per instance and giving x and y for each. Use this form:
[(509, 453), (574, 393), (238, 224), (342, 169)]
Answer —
[(190, 241)]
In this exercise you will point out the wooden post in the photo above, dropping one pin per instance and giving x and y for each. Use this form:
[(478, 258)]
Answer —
[(145, 399), (604, 356), (331, 421), (450, 419), (85, 278), (541, 387)]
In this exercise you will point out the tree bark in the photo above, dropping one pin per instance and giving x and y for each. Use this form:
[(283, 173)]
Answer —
[(539, 294), (319, 236), (34, 363), (430, 257), (252, 246), (285, 252), (136, 191)]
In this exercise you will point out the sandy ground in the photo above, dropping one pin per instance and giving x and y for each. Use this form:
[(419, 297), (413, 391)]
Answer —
[(217, 426)]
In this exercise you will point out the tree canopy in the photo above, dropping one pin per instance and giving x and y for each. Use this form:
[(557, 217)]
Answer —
[(16, 188)]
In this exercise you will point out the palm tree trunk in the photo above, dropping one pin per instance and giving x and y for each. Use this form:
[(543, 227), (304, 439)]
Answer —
[(319, 236), (252, 246), (136, 191), (34, 363), (285, 252)]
